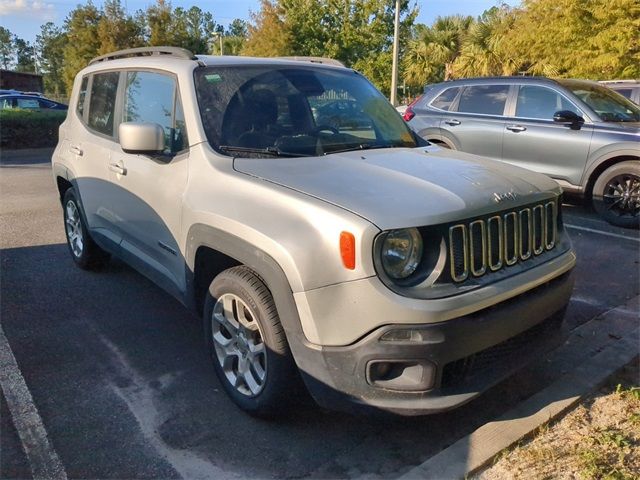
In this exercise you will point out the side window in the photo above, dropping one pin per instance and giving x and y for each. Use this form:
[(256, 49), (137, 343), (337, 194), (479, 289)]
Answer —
[(625, 92), (485, 99), (81, 96), (29, 103), (540, 102), (445, 99), (6, 103), (102, 102), (45, 104), (152, 97)]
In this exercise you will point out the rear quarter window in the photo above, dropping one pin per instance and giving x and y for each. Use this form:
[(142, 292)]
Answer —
[(445, 99), (82, 94)]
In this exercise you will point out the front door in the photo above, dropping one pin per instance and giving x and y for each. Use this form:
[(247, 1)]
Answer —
[(151, 187), (533, 140)]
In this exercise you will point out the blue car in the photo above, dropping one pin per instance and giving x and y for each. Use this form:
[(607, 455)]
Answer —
[(29, 102)]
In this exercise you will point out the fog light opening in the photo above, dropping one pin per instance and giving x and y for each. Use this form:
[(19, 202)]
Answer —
[(407, 375)]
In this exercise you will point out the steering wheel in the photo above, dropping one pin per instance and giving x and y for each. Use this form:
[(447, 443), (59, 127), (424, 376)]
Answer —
[(324, 128)]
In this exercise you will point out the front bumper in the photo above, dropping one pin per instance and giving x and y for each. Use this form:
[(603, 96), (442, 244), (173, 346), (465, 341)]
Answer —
[(465, 355)]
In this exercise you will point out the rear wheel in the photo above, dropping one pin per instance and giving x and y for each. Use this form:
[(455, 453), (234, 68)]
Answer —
[(84, 251), (616, 194), (247, 343)]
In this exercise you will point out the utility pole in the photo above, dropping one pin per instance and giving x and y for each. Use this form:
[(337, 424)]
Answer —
[(219, 36), (394, 67), (35, 60)]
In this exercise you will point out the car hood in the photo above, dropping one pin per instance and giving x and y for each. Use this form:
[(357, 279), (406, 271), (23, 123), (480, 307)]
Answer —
[(395, 188)]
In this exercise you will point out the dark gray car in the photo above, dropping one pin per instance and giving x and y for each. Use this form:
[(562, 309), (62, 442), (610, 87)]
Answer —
[(578, 132)]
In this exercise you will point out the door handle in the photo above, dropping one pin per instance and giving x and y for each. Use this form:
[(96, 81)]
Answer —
[(75, 150), (453, 123), (516, 128), (117, 168)]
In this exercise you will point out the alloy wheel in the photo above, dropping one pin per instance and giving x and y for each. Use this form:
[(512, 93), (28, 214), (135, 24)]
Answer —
[(74, 229), (239, 344), (622, 195)]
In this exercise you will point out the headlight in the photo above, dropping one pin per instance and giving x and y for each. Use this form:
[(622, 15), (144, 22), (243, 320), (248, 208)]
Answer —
[(401, 252)]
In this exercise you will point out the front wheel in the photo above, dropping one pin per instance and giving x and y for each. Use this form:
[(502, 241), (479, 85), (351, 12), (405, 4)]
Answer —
[(440, 144), (616, 194), (84, 251), (247, 344)]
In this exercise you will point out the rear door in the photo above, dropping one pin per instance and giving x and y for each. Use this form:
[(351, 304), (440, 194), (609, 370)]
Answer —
[(425, 114), (91, 148), (150, 188), (533, 140), (475, 121)]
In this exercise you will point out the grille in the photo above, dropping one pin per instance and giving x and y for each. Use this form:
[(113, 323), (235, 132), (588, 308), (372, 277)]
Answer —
[(493, 243)]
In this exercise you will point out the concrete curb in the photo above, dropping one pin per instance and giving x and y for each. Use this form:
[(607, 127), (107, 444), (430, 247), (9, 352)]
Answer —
[(11, 154), (471, 453)]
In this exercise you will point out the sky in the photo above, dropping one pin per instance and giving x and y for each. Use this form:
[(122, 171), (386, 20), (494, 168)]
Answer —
[(24, 17)]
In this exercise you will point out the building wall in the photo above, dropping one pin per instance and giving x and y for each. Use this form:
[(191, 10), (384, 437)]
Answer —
[(26, 82)]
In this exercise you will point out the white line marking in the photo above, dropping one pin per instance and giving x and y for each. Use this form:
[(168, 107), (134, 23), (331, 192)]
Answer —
[(43, 460), (608, 234)]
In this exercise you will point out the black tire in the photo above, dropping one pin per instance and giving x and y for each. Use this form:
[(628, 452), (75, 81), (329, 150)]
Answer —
[(440, 144), (86, 255), (281, 377), (608, 194)]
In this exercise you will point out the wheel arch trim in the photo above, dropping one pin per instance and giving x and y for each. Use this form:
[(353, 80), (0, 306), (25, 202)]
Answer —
[(263, 264), (443, 137), (604, 161)]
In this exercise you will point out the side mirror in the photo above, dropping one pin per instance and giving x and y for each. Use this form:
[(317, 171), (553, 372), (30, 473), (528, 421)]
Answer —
[(141, 137), (569, 118)]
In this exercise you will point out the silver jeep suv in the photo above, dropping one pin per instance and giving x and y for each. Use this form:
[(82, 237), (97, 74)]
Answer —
[(578, 132), (382, 272)]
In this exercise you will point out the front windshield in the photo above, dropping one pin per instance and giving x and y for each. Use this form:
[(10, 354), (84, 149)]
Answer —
[(609, 105), (282, 110)]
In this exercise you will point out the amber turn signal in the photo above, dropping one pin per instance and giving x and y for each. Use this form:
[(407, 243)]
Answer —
[(348, 250)]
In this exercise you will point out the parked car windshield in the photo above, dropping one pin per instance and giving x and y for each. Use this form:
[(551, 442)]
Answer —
[(610, 106), (295, 111)]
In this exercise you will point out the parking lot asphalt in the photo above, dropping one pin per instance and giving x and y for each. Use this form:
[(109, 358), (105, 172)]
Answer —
[(118, 371)]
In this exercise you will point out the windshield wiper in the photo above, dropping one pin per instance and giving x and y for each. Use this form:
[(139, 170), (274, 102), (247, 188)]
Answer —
[(362, 146), (271, 151)]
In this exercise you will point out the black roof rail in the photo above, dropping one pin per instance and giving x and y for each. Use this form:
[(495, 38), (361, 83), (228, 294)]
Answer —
[(145, 52)]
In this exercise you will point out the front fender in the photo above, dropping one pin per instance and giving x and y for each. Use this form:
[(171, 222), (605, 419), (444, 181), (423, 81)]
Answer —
[(607, 152), (260, 262)]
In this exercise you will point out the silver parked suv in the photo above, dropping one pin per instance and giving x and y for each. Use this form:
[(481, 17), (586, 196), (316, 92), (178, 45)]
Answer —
[(578, 132), (383, 272)]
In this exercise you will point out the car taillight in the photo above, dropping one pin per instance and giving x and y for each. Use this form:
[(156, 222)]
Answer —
[(409, 113)]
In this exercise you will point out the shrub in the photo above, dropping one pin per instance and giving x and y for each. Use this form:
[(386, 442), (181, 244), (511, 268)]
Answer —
[(30, 129)]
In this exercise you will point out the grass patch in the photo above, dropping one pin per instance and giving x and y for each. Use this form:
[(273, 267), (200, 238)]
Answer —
[(599, 439), (30, 129)]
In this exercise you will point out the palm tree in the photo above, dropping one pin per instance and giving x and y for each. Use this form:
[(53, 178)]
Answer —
[(430, 56), (484, 51)]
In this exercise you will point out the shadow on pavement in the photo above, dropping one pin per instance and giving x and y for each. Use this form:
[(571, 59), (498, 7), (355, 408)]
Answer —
[(119, 369)]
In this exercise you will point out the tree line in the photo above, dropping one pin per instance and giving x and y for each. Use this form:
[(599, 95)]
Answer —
[(597, 39)]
